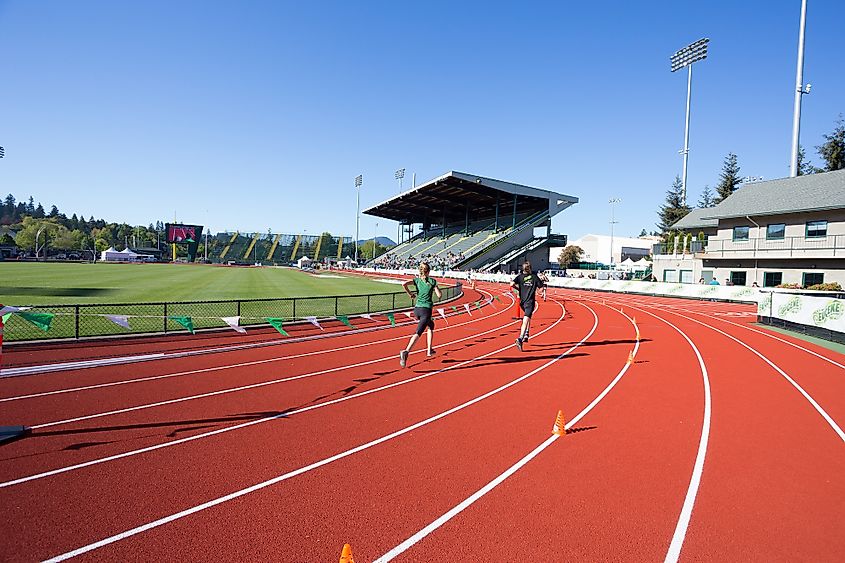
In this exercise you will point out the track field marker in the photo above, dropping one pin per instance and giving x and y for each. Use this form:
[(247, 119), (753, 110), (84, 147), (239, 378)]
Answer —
[(346, 554), (559, 428), (631, 357)]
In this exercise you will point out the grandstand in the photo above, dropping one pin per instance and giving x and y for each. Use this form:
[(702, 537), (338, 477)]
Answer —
[(276, 249), (466, 221)]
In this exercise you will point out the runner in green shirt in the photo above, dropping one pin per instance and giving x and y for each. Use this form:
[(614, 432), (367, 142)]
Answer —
[(425, 287)]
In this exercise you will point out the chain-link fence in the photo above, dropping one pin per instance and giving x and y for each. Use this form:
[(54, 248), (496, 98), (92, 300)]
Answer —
[(107, 319)]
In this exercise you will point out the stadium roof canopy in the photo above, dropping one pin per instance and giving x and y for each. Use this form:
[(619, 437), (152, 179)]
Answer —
[(454, 193)]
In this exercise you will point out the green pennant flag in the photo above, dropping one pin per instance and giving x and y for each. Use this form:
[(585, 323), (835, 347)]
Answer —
[(185, 322), (496, 297), (41, 320), (276, 323), (391, 318), (6, 317), (454, 307), (345, 320), (477, 305)]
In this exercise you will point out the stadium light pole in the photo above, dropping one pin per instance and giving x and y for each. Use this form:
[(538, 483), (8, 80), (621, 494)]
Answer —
[(612, 201), (399, 175), (690, 54), (800, 90), (359, 179), (374, 240)]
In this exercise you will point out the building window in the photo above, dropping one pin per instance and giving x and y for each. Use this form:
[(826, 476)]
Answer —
[(816, 229), (738, 278), (775, 231), (772, 279), (686, 276), (670, 276), (740, 233), (812, 278)]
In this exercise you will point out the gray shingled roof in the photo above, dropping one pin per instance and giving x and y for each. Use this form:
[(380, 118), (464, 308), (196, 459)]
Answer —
[(814, 192), (693, 220)]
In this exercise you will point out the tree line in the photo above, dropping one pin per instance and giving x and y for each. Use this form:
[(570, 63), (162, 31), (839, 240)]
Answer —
[(831, 152), (37, 229)]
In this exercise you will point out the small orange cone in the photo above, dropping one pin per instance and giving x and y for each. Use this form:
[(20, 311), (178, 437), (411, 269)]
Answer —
[(630, 357), (559, 428), (346, 554)]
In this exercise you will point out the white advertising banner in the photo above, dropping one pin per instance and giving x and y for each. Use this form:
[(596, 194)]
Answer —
[(822, 312)]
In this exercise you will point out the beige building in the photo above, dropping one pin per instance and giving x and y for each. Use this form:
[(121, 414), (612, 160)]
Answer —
[(790, 230)]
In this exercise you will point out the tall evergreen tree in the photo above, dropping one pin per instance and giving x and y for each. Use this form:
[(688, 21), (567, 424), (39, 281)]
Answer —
[(30, 206), (707, 198), (833, 149), (54, 211), (729, 178), (674, 209), (804, 165), (39, 212)]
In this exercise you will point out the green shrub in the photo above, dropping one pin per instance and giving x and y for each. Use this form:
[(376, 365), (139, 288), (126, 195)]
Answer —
[(833, 286)]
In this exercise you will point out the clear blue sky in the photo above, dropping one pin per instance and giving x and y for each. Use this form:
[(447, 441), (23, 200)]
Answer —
[(255, 115)]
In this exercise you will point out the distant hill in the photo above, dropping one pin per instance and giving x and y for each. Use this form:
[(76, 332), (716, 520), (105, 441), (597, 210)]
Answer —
[(384, 241)]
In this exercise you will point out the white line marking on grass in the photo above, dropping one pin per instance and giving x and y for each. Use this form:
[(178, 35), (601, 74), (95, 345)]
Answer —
[(451, 513), (232, 366), (315, 465), (266, 419)]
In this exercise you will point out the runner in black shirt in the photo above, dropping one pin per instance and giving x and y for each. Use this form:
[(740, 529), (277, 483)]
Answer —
[(526, 283)]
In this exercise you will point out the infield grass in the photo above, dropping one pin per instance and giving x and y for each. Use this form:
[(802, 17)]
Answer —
[(25, 284)]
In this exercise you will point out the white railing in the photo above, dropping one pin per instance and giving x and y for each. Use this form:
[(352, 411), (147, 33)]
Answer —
[(830, 246)]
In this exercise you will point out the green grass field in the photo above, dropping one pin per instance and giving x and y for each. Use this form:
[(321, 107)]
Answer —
[(25, 284)]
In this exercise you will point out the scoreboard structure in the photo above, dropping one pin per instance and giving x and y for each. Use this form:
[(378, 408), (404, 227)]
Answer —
[(188, 235)]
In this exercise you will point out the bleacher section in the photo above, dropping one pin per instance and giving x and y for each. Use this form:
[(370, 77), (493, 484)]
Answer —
[(461, 247), (276, 249)]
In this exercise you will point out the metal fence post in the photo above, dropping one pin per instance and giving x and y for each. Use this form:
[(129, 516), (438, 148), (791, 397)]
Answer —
[(239, 307), (368, 303), (76, 330), (293, 314), (165, 317), (336, 299)]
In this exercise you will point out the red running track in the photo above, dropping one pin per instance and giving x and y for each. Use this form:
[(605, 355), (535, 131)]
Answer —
[(720, 441)]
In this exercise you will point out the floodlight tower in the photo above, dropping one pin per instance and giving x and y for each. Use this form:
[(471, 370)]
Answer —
[(800, 90), (359, 179), (399, 175), (693, 52), (613, 221)]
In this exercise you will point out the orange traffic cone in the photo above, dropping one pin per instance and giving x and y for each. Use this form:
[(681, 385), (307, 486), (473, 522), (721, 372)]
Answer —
[(559, 428), (346, 554)]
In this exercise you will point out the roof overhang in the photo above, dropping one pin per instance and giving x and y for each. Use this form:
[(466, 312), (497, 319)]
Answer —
[(451, 194)]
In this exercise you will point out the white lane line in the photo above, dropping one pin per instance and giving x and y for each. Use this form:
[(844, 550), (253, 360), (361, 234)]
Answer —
[(451, 513), (682, 525), (765, 333), (260, 420), (792, 382), (85, 364), (315, 465), (248, 387), (836, 428), (227, 366)]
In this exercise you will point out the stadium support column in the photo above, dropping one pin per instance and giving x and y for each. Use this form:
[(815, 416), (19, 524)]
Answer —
[(497, 212), (513, 220), (466, 220)]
